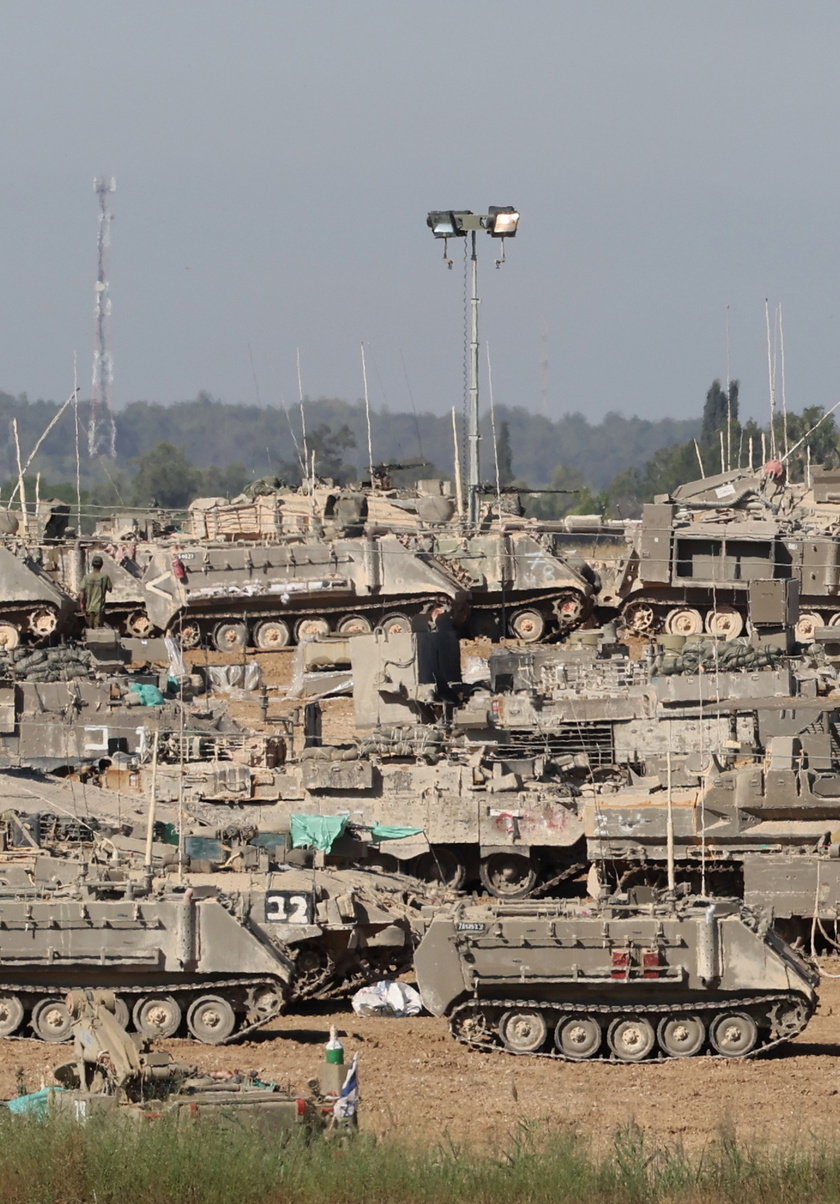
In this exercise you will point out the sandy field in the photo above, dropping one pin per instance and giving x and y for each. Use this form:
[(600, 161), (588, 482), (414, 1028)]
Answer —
[(416, 1081)]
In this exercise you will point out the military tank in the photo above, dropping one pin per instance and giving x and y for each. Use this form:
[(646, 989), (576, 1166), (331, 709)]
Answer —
[(621, 980), (697, 555), (340, 928)]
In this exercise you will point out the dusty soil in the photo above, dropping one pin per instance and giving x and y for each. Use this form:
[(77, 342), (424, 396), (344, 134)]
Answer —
[(418, 1083)]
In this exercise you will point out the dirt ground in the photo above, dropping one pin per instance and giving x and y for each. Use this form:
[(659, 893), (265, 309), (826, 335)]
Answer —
[(418, 1083)]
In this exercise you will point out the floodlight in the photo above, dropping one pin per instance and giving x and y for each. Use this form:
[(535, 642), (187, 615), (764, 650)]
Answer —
[(502, 221), (445, 223)]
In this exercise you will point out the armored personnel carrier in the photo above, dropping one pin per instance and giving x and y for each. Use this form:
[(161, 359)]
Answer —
[(520, 584), (518, 581), (170, 956), (619, 980), (249, 929), (272, 595), (33, 608)]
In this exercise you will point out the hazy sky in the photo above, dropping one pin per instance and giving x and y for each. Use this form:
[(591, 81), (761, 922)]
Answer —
[(276, 161)]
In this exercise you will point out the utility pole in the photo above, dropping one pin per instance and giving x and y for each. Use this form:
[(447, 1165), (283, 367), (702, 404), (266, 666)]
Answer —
[(102, 429)]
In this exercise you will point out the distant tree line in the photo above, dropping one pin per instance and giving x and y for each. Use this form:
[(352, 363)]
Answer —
[(169, 455)]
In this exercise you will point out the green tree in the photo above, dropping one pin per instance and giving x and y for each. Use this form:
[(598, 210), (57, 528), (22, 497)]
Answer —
[(569, 487), (328, 447), (720, 413), (504, 454), (225, 480), (164, 477)]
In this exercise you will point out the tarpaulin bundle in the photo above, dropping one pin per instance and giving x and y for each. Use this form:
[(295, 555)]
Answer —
[(46, 664), (393, 832), (708, 655), (316, 831)]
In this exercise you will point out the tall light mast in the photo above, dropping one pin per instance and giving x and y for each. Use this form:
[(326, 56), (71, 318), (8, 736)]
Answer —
[(102, 429), (500, 221)]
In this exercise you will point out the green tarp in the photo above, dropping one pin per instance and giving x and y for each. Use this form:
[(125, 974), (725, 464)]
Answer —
[(392, 832), (316, 831)]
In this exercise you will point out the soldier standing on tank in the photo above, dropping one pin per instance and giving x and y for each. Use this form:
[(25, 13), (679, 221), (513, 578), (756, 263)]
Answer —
[(92, 592)]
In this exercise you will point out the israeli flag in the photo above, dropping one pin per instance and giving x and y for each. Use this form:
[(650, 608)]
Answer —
[(348, 1098)]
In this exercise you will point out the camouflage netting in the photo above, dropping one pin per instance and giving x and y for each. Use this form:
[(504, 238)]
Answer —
[(722, 656), (47, 664)]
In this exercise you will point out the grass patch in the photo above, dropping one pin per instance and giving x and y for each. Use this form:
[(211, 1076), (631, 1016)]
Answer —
[(103, 1162)]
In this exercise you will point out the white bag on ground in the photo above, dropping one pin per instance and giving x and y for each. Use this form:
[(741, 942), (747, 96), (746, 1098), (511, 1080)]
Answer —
[(387, 998), (230, 679)]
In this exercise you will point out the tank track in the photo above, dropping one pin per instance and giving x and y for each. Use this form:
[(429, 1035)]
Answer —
[(774, 1004), (202, 987), (538, 598), (571, 871), (19, 615), (374, 608)]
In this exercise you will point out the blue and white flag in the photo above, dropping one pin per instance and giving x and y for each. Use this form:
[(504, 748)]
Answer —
[(348, 1098)]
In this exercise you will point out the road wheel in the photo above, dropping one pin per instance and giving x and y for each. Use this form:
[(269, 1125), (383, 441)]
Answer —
[(271, 634), (311, 626), (188, 633), (508, 875), (684, 620), (157, 1016), (724, 622), (395, 624), (523, 1032), (267, 1002), (527, 625), (578, 1037), (121, 1012), (139, 625), (11, 1014), (355, 625), (681, 1036), (807, 624), (43, 622), (9, 637), (734, 1034), (639, 618), (51, 1021), (631, 1038), (441, 865), (569, 610), (230, 637), (211, 1019)]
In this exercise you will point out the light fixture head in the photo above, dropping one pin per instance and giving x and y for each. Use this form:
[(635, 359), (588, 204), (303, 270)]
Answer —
[(445, 223), (502, 221)]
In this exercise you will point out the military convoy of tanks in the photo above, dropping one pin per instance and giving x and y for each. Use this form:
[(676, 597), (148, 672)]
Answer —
[(597, 839)]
